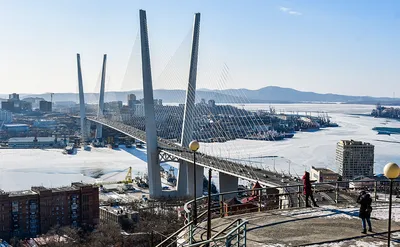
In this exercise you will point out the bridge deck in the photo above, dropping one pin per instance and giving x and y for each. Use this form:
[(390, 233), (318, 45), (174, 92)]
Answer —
[(182, 153)]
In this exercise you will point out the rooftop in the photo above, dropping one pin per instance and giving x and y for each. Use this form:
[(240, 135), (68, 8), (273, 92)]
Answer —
[(30, 139), (15, 125), (22, 193), (353, 142), (118, 210), (324, 170), (64, 188)]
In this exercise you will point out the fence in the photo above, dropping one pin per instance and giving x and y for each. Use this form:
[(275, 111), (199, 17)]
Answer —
[(264, 199)]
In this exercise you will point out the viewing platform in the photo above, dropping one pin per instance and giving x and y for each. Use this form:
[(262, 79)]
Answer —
[(323, 226)]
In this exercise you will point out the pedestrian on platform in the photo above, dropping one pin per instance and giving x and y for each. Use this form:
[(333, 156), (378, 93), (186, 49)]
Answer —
[(307, 190), (365, 200)]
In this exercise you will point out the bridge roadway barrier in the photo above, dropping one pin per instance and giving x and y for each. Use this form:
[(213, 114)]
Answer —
[(225, 166)]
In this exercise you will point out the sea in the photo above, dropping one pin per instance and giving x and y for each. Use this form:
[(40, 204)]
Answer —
[(22, 168)]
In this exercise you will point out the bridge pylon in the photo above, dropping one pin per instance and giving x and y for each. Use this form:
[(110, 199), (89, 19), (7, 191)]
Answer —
[(81, 100), (153, 163), (100, 113), (185, 178)]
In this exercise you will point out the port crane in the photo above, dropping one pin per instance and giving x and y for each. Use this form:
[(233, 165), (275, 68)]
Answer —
[(128, 179), (127, 182)]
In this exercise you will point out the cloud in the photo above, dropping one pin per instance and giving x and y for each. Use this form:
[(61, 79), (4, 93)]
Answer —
[(289, 11)]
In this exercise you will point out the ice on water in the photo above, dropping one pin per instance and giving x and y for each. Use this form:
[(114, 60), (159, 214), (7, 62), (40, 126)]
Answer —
[(20, 169)]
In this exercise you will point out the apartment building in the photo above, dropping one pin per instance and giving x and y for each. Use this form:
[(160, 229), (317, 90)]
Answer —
[(354, 159), (26, 214)]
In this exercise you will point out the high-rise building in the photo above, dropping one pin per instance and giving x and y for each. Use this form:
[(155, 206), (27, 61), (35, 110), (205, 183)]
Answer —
[(131, 97), (354, 159), (45, 106), (13, 96), (132, 101)]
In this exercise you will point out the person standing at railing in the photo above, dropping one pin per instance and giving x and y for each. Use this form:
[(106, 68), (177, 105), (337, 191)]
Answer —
[(365, 200), (307, 189)]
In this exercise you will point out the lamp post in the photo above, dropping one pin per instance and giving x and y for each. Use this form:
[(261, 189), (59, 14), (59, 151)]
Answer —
[(209, 206), (391, 171), (194, 146)]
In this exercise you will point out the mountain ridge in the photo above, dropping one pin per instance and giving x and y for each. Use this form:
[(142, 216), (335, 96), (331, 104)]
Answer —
[(269, 94)]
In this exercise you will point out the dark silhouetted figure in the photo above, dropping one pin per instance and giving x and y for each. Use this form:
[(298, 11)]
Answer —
[(365, 200), (307, 190)]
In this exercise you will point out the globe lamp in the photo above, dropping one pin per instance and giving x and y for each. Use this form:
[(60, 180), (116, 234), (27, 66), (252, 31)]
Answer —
[(194, 146), (391, 170)]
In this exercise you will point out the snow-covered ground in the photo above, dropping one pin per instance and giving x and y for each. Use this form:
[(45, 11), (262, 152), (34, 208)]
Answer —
[(380, 212), (20, 169)]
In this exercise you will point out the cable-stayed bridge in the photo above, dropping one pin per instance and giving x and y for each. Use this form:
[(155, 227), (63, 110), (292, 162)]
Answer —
[(162, 150)]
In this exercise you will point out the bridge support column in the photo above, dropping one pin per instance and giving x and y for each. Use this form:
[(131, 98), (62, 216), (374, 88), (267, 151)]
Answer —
[(81, 99), (153, 164), (182, 183), (189, 111), (99, 127), (199, 180), (227, 183)]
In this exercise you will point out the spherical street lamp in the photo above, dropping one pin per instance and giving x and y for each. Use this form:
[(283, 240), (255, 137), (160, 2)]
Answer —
[(194, 146), (391, 171)]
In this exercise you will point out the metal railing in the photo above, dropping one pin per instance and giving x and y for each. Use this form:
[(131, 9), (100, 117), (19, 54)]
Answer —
[(235, 236), (263, 199)]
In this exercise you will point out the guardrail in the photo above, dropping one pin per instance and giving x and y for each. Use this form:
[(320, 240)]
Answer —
[(263, 199), (281, 197)]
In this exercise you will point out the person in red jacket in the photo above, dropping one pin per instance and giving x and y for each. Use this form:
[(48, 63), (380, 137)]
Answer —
[(307, 190)]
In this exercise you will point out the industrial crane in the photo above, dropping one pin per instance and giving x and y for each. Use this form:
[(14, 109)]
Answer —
[(127, 181)]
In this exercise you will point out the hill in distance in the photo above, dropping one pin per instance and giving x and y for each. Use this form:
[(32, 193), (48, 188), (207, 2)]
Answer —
[(270, 94)]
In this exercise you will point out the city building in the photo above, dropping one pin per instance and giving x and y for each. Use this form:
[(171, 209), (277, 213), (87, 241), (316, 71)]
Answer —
[(211, 103), (14, 104), (323, 175), (45, 106), (19, 214), (45, 123), (118, 214), (138, 110), (113, 106), (132, 101), (354, 159), (131, 97), (36, 142), (13, 96), (5, 117), (14, 128), (25, 106), (7, 106), (28, 213), (362, 182)]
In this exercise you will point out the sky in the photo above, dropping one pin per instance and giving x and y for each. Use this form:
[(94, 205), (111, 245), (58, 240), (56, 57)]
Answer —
[(341, 46)]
